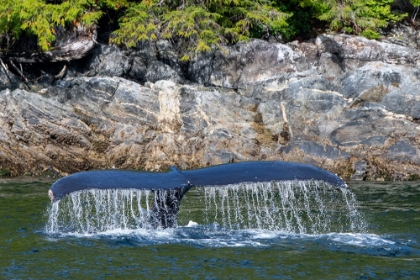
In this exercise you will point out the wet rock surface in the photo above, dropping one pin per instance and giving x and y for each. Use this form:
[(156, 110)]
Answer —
[(344, 103)]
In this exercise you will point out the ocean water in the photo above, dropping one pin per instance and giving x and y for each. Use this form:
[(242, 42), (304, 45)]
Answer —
[(297, 230)]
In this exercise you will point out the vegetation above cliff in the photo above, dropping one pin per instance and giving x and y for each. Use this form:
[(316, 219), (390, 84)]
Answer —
[(196, 25)]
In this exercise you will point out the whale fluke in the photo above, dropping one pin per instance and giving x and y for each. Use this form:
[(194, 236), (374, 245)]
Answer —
[(169, 187)]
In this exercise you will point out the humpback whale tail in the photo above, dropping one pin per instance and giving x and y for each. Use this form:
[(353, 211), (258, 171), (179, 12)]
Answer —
[(170, 187)]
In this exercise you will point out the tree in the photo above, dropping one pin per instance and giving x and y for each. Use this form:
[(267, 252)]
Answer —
[(198, 25), (363, 17), (41, 18), (191, 25)]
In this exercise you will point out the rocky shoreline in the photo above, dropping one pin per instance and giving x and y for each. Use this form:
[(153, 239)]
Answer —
[(344, 103)]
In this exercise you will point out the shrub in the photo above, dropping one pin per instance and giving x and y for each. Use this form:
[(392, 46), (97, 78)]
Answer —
[(40, 17), (194, 25), (197, 26), (363, 17)]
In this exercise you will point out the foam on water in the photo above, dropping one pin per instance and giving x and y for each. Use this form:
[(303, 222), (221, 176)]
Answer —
[(198, 235), (360, 239)]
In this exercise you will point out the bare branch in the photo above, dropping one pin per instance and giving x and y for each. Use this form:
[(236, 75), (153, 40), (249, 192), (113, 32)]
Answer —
[(19, 72), (413, 17), (4, 66), (6, 69), (62, 72)]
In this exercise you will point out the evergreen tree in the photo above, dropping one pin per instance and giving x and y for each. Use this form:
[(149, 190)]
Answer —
[(40, 17), (194, 25), (198, 25), (363, 17)]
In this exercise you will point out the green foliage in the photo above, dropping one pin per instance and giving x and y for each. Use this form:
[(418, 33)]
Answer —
[(363, 17), (140, 22), (40, 17), (370, 34), (301, 18), (413, 177), (195, 26), (9, 18), (5, 172), (415, 3)]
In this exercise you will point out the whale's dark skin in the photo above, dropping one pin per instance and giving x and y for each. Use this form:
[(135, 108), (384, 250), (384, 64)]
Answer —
[(170, 187)]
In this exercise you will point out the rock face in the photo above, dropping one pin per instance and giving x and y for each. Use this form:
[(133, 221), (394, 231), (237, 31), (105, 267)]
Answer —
[(344, 103)]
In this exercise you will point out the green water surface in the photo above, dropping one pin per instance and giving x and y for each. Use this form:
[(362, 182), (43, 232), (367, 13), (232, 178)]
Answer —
[(389, 250)]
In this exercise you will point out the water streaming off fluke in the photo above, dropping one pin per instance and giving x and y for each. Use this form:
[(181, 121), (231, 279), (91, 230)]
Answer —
[(95, 211), (301, 207)]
